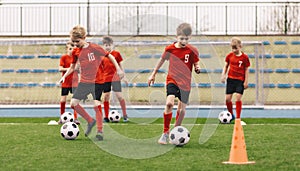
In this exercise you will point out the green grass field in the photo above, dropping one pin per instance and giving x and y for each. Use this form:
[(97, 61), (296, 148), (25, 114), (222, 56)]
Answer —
[(30, 144)]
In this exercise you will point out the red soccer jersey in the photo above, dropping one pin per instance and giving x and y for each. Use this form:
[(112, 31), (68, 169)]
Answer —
[(110, 72), (90, 59), (181, 62), (237, 65), (72, 79)]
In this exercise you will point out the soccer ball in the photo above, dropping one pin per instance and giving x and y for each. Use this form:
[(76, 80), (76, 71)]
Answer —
[(67, 117), (114, 116), (225, 117), (69, 130), (179, 136)]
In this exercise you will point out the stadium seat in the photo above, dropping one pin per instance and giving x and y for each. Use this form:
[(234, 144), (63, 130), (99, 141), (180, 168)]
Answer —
[(157, 56), (23, 71), (251, 85), (13, 57), (145, 56), (129, 70), (144, 70), (251, 55), (48, 85), (268, 56), (18, 85), (3, 56), (251, 70), (4, 85), (284, 85), (7, 70), (43, 56), (218, 70), (295, 42), (27, 57), (266, 42), (295, 55), (282, 70), (271, 85), (128, 85), (204, 85), (204, 70), (268, 70), (204, 55), (162, 71), (158, 85), (296, 70), (280, 56), (37, 70), (141, 84), (55, 56), (30, 85), (219, 85), (52, 71), (296, 85), (280, 42), (193, 85)]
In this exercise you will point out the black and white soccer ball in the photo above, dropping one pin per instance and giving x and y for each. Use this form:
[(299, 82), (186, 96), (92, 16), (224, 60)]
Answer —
[(225, 117), (179, 136), (114, 116), (67, 117), (69, 130)]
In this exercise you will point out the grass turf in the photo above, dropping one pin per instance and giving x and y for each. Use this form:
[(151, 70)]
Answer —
[(30, 144)]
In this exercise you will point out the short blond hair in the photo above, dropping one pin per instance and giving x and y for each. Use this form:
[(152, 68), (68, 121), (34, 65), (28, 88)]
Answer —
[(184, 29), (78, 32), (236, 41)]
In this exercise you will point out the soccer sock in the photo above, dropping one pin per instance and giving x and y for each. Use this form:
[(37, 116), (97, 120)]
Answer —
[(75, 115), (106, 108), (229, 107), (123, 107), (99, 118), (79, 109), (62, 107), (167, 122), (177, 115), (179, 119), (238, 106)]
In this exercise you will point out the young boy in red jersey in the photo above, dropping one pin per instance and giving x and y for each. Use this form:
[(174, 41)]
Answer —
[(111, 79), (182, 57), (89, 56), (71, 82), (238, 72)]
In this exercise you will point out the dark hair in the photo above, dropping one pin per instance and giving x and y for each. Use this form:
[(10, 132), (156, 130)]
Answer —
[(107, 40), (184, 29)]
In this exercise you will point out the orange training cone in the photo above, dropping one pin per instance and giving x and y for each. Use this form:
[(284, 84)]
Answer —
[(238, 153)]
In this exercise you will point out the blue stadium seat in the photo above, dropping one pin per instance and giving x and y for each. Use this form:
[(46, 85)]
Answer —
[(296, 70), (194, 85), (219, 85), (23, 71), (145, 56), (158, 85), (267, 70), (161, 71), (251, 55), (129, 70), (218, 70), (251, 70), (268, 56), (38, 71), (144, 70), (204, 85), (30, 85), (284, 85), (295, 42), (266, 42), (282, 70), (251, 85), (27, 57), (271, 85), (4, 85), (295, 55), (157, 56), (55, 56), (141, 84), (18, 85), (204, 70), (52, 71), (128, 85), (43, 56), (280, 55), (48, 85), (13, 57), (3, 56), (204, 55), (7, 70), (280, 42), (296, 85)]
